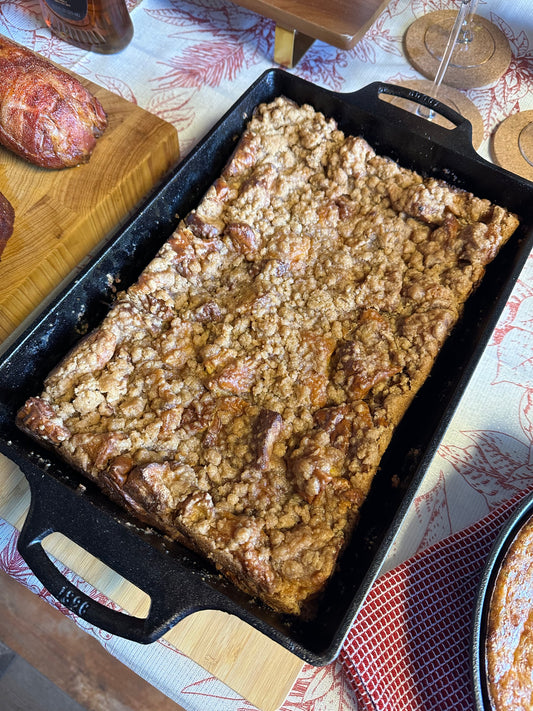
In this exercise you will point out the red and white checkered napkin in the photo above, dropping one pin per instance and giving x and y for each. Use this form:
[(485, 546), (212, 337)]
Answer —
[(408, 649)]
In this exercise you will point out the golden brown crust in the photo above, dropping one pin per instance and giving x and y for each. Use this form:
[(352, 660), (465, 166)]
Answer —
[(241, 394), (510, 628), (46, 115)]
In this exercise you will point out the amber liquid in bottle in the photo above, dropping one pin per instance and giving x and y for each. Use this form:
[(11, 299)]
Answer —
[(97, 25)]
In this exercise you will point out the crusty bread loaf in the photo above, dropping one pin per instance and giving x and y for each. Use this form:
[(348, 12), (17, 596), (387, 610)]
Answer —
[(47, 116), (240, 395)]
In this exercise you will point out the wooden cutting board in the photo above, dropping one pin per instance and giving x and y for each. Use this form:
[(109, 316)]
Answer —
[(60, 217)]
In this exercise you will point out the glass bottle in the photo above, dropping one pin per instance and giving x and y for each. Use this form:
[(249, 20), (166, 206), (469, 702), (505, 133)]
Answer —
[(97, 25)]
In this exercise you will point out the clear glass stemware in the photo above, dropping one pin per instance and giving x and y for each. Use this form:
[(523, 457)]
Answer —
[(461, 29), (474, 46)]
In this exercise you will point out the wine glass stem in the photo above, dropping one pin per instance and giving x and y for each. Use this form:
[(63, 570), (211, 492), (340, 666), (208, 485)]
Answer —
[(466, 33), (445, 61)]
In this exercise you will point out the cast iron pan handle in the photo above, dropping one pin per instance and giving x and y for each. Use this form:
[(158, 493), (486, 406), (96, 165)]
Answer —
[(459, 137), (51, 510)]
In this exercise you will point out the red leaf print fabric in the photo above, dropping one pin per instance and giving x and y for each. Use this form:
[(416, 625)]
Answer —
[(10, 559), (409, 647), (209, 63), (188, 62)]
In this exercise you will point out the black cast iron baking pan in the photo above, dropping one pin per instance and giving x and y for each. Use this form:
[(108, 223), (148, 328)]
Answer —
[(177, 581), (506, 537)]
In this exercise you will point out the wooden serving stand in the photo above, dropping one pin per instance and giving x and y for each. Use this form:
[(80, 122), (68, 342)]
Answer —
[(341, 23)]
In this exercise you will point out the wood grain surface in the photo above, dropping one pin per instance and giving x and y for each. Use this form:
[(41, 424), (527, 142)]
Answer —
[(75, 662), (60, 215)]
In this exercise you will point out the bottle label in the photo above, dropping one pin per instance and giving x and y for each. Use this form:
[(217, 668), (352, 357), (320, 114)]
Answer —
[(69, 9)]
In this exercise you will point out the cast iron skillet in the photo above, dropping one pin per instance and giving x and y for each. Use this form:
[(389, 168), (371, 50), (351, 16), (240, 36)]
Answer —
[(491, 569), (177, 581)]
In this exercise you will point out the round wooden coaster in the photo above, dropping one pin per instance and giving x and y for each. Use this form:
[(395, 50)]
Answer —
[(512, 144), (452, 98), (478, 63)]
